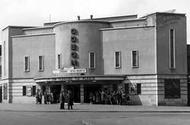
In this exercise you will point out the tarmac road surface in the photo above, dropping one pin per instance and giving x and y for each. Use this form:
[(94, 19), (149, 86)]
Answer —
[(85, 114), (93, 118)]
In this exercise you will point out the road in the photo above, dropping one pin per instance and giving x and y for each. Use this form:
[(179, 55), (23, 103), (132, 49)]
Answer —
[(92, 118)]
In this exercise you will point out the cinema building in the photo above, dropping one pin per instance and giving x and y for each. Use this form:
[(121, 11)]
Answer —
[(145, 57)]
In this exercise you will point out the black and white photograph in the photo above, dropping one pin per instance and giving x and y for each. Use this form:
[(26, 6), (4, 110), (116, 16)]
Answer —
[(94, 62)]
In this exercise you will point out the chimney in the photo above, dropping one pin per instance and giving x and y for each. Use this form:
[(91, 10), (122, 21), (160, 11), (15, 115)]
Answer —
[(78, 17), (91, 17)]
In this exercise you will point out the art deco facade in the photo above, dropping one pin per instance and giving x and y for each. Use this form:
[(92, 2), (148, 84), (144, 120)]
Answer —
[(145, 57)]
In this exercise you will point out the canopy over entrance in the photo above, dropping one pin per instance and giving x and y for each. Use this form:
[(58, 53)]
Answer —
[(82, 78)]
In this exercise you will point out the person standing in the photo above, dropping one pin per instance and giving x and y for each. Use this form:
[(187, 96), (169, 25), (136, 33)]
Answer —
[(102, 93), (45, 97), (39, 97), (119, 97), (62, 100), (70, 100)]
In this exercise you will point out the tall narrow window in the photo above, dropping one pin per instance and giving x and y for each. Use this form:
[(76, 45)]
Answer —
[(0, 50), (24, 90), (4, 59), (1, 60), (138, 88), (117, 59), (33, 91), (172, 49), (26, 63), (59, 61), (135, 59), (5, 91), (41, 63), (91, 60)]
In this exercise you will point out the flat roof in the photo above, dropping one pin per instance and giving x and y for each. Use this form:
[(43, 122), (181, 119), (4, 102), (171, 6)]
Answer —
[(121, 28), (37, 28), (163, 13), (101, 19), (41, 34), (10, 26), (82, 21), (128, 20), (115, 17)]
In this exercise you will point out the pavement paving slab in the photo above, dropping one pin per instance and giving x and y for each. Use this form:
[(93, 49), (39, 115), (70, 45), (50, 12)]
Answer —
[(91, 108)]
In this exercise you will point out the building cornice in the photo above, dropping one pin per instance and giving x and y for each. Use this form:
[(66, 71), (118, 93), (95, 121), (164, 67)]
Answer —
[(82, 21), (128, 20), (18, 27), (38, 28), (42, 34), (122, 28)]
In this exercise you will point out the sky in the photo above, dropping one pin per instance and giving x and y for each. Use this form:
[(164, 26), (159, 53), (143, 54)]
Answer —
[(37, 12)]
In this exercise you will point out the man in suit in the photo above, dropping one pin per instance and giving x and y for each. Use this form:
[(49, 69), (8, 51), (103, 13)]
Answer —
[(70, 100)]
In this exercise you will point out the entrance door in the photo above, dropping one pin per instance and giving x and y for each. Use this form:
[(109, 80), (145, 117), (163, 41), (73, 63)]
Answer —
[(75, 89), (55, 89), (0, 94), (90, 90)]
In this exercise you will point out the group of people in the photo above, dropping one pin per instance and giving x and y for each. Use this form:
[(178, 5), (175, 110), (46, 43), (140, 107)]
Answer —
[(103, 96), (66, 97), (109, 97), (39, 97), (48, 98)]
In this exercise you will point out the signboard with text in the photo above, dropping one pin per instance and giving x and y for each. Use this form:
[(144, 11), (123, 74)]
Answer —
[(76, 71), (69, 70)]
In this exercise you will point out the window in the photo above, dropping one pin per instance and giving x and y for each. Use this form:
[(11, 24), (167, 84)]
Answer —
[(59, 61), (28, 90), (4, 58), (135, 59), (27, 63), (24, 90), (0, 50), (5, 91), (172, 88), (33, 91), (172, 49), (41, 63), (91, 60), (117, 59), (138, 88), (0, 70)]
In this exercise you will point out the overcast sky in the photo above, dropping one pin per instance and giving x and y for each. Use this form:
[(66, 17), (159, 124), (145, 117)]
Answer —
[(37, 12)]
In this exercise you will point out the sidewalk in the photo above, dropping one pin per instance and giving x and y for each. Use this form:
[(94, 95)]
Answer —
[(92, 108)]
